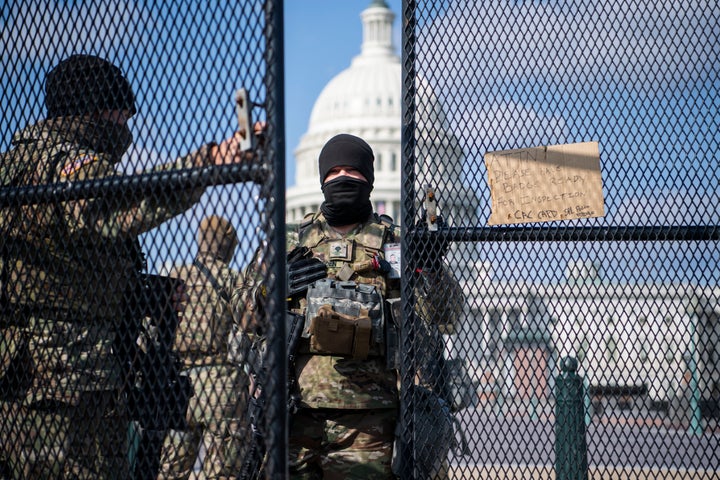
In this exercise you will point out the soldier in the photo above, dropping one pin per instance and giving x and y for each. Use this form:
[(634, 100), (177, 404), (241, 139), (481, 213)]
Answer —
[(345, 373), (215, 413), (65, 268)]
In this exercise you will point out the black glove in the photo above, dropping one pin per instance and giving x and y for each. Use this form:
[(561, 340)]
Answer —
[(429, 248), (303, 270)]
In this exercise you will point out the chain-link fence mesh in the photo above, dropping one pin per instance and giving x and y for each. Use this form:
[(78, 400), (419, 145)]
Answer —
[(109, 369), (590, 346), (571, 349)]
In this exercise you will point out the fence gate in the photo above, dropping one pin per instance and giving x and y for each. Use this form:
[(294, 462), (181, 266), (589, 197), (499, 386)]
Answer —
[(78, 288), (590, 331)]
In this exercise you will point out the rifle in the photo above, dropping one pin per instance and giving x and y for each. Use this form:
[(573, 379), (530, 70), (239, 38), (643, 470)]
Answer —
[(252, 468), (157, 394)]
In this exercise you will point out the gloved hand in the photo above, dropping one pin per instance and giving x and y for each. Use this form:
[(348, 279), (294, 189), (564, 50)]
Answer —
[(429, 248), (303, 270)]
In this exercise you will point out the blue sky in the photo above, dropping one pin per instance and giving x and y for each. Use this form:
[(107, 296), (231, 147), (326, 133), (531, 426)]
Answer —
[(321, 38)]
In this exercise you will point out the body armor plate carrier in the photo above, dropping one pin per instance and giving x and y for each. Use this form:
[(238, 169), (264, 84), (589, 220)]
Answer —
[(345, 319)]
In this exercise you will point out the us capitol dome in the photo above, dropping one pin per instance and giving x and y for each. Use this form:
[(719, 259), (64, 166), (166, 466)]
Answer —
[(365, 100)]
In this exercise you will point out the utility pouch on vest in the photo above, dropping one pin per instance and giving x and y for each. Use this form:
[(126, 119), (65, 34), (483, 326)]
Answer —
[(345, 318), (336, 334)]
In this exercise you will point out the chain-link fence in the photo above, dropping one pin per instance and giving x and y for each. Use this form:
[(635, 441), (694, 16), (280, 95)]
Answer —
[(117, 186), (591, 344), (583, 348)]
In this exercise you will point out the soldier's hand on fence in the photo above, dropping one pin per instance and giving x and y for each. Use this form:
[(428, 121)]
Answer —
[(260, 132), (303, 270), (229, 151), (429, 248)]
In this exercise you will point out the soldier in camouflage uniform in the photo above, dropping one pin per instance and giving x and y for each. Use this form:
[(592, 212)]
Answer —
[(345, 427), (215, 414), (65, 268)]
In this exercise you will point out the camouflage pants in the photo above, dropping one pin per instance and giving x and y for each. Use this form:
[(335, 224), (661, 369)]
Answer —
[(342, 444), (215, 417), (52, 440)]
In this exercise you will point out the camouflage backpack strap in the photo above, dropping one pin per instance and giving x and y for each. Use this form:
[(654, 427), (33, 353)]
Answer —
[(12, 167), (16, 166), (376, 233), (308, 220), (211, 278), (39, 172)]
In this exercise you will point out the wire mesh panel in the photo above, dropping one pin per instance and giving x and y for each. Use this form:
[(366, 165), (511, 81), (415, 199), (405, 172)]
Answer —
[(587, 347), (140, 172)]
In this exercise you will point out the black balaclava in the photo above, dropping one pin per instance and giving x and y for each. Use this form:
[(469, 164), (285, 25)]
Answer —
[(347, 200), (83, 84)]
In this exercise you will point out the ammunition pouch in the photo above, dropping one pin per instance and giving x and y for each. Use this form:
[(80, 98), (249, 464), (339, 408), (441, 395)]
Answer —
[(333, 333), (345, 319)]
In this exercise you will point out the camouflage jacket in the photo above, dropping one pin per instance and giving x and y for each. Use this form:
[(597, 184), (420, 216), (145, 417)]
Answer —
[(66, 265), (327, 381), (202, 335)]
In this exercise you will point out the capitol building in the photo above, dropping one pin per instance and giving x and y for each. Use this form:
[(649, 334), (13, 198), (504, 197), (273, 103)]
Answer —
[(651, 345), (363, 100), (366, 100)]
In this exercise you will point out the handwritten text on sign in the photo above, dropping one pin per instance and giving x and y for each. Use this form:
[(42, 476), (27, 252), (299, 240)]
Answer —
[(543, 184)]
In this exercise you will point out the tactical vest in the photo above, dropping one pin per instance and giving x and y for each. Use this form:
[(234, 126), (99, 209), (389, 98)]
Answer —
[(348, 313)]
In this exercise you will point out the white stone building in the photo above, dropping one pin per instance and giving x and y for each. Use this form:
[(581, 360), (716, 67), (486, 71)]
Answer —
[(640, 342)]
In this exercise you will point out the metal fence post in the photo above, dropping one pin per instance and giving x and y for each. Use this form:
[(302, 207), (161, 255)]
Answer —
[(570, 444)]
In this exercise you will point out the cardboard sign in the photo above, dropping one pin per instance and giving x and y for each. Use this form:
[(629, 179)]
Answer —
[(545, 184)]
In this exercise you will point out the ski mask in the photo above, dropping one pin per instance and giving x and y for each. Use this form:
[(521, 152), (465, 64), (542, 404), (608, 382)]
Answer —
[(347, 200)]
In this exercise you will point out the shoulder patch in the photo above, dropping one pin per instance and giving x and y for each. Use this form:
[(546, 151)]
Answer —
[(77, 163)]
